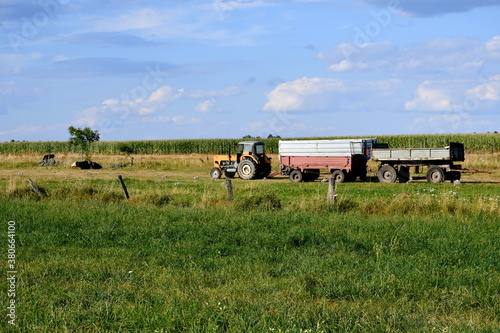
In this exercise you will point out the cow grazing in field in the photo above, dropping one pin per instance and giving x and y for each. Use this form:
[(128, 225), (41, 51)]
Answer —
[(86, 165), (48, 157)]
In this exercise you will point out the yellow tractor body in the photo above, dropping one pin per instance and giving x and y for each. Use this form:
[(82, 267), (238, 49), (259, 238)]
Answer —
[(250, 162)]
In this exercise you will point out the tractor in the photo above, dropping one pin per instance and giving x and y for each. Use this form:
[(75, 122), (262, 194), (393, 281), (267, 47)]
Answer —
[(250, 162)]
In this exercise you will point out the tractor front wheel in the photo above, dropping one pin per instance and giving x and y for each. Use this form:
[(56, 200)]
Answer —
[(215, 173)]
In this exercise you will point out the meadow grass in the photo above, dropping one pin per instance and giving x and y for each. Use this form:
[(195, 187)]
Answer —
[(180, 257), (126, 268)]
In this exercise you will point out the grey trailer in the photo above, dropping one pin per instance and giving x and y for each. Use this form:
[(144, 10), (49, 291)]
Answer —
[(395, 163)]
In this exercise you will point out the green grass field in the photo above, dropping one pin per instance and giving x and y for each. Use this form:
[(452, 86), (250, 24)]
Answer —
[(178, 256)]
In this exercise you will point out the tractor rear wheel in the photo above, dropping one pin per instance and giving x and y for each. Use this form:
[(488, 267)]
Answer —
[(247, 169)]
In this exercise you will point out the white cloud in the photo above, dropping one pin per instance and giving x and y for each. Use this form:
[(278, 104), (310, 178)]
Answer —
[(445, 56), (178, 120), (348, 66), (489, 90), (327, 94), (301, 94), (493, 45), (136, 19), (449, 122), (180, 21), (206, 106), (350, 57), (158, 100), (185, 120), (115, 111), (431, 98), (456, 95)]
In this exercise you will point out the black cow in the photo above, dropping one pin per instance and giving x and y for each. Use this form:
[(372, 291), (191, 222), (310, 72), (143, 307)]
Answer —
[(48, 157), (86, 165)]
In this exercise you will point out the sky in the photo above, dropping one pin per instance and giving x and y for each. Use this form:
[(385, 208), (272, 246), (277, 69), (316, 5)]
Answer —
[(149, 70)]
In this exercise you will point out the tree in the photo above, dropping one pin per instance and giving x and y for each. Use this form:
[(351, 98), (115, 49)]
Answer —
[(83, 138), (248, 136)]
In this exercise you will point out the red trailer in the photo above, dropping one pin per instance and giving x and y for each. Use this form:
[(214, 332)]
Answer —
[(346, 160)]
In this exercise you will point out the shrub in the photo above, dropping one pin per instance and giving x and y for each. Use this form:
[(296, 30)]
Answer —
[(267, 201)]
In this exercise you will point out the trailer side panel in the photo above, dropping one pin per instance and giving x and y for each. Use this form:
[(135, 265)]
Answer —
[(318, 162), (337, 148)]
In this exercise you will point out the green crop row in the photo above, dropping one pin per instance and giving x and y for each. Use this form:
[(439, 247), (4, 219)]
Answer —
[(484, 141)]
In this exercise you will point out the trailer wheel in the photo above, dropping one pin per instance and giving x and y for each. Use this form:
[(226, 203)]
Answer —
[(435, 175), (296, 176), (247, 169), (387, 174), (215, 173), (339, 176)]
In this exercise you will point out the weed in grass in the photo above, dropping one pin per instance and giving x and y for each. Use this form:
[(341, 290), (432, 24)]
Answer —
[(342, 205), (158, 199), (264, 201), (24, 193)]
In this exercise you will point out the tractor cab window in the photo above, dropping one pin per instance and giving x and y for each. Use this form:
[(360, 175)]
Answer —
[(240, 149), (259, 149)]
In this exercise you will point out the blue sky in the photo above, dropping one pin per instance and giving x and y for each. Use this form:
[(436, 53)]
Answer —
[(223, 69)]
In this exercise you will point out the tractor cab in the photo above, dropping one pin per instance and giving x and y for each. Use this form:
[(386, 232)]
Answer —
[(250, 148)]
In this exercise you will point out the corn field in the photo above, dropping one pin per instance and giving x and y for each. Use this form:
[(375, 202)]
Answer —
[(486, 141)]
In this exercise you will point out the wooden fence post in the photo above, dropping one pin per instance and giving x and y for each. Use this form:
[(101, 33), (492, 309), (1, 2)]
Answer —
[(123, 187), (229, 187), (332, 189), (35, 188)]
